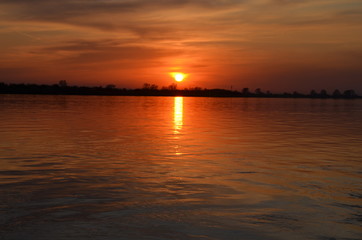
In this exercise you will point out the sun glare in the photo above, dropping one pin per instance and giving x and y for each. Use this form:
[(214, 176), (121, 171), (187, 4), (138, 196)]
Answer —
[(179, 77)]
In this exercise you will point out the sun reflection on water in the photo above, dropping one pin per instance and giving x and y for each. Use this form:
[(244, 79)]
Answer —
[(178, 114)]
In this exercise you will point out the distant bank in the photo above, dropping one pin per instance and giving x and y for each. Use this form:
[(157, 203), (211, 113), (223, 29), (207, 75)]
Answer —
[(152, 90)]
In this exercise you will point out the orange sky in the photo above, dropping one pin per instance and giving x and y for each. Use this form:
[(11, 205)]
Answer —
[(277, 45)]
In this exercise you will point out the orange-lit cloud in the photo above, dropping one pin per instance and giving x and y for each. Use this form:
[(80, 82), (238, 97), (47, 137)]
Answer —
[(280, 45)]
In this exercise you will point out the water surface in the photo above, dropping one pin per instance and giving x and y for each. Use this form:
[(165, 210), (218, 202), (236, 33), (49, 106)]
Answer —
[(90, 167)]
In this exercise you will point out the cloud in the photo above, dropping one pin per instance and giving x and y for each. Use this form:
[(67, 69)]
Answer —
[(180, 19), (288, 2), (110, 15), (68, 9), (157, 20), (102, 52)]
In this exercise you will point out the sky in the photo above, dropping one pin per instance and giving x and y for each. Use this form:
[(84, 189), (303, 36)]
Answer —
[(276, 45)]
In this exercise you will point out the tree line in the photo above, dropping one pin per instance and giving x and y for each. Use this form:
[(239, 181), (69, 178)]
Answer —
[(62, 88)]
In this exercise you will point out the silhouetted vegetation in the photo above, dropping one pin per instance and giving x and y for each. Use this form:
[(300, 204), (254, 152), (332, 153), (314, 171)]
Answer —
[(62, 88)]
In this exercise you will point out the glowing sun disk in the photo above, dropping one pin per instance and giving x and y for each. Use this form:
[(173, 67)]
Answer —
[(179, 77)]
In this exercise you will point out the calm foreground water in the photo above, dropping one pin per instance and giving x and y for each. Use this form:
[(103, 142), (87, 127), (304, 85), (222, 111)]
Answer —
[(89, 167)]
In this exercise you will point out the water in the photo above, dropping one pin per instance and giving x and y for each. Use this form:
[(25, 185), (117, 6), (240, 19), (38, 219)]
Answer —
[(89, 167)]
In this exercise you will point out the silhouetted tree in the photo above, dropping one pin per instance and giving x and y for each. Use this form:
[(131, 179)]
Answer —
[(172, 87), (336, 93), (349, 93), (323, 93), (153, 87), (63, 83), (297, 94), (111, 86), (313, 93), (146, 86), (258, 91), (245, 92)]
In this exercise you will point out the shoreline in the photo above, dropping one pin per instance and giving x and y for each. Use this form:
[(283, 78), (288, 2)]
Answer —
[(176, 95), (170, 91)]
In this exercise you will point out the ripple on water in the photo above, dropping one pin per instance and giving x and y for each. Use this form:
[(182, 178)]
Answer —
[(131, 168)]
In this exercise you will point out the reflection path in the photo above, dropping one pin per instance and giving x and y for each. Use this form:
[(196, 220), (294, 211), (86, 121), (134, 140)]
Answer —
[(178, 114)]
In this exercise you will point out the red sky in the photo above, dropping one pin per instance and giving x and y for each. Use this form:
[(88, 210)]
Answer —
[(277, 45)]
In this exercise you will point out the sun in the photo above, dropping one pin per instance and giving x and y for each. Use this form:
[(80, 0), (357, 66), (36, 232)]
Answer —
[(178, 76)]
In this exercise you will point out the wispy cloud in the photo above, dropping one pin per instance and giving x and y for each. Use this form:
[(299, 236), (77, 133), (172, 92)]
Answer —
[(105, 51)]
